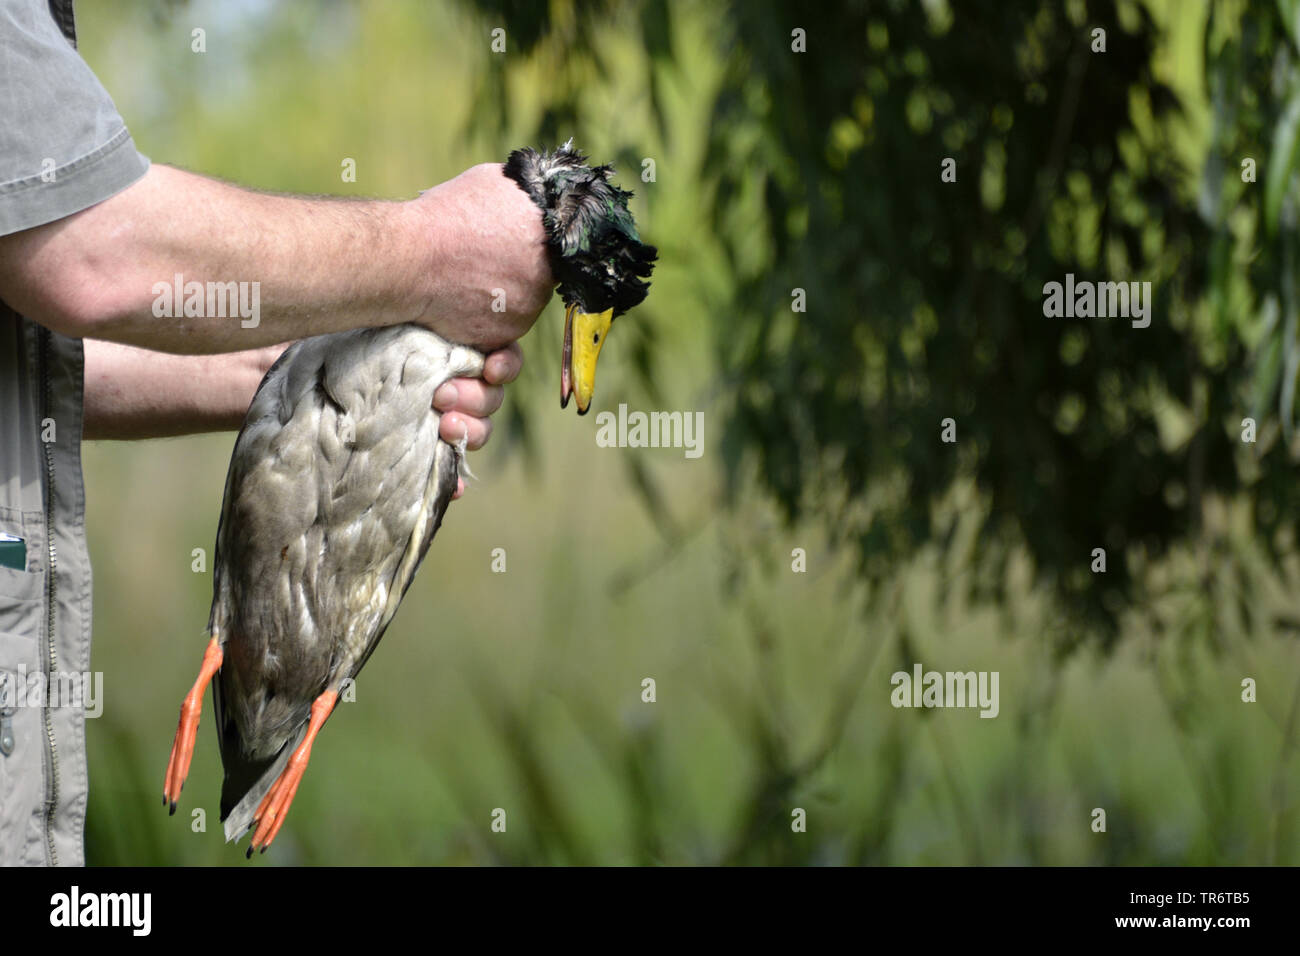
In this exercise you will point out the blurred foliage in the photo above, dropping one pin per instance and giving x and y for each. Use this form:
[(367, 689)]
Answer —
[(777, 171), (924, 298)]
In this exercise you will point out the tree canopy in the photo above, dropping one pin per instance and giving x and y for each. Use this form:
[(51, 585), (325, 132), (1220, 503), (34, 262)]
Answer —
[(1105, 141)]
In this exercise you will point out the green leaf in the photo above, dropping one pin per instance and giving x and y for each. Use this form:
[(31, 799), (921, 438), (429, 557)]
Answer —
[(1290, 11), (1281, 163)]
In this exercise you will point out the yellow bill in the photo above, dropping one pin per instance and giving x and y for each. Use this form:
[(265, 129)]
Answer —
[(584, 334)]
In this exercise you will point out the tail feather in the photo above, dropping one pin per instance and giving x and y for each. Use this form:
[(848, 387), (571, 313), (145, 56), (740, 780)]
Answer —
[(247, 782)]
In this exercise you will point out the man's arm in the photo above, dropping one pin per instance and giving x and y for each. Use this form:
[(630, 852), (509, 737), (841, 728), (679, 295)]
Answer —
[(136, 393), (322, 265)]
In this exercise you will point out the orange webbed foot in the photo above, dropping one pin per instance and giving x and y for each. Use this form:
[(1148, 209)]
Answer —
[(178, 765), (275, 805)]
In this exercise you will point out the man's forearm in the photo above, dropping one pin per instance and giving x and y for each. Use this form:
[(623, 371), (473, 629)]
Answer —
[(321, 265), (466, 258), (132, 393)]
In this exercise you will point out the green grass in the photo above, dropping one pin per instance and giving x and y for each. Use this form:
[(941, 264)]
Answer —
[(522, 691)]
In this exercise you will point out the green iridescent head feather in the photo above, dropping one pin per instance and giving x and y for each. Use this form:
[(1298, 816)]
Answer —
[(596, 254)]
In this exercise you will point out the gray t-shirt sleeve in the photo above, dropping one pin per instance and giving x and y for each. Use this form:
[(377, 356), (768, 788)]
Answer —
[(63, 146)]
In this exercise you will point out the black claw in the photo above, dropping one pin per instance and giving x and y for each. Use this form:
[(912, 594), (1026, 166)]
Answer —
[(264, 847), (164, 799), (249, 854), (172, 811)]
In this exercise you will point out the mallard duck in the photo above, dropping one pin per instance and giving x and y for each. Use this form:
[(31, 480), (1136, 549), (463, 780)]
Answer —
[(337, 485)]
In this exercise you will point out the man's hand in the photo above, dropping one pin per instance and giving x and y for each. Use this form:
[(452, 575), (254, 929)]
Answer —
[(467, 403), (489, 246)]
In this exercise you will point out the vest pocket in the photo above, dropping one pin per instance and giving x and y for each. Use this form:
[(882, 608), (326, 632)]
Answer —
[(22, 767), (22, 613), (20, 585), (22, 749), (22, 608)]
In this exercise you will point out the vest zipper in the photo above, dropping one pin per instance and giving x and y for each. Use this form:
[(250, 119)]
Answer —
[(51, 660)]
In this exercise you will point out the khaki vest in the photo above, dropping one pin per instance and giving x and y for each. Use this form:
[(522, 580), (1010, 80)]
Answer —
[(44, 610)]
